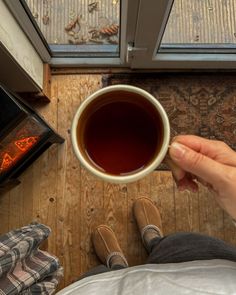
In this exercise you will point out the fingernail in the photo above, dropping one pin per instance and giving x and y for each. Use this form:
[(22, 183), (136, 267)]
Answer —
[(177, 150)]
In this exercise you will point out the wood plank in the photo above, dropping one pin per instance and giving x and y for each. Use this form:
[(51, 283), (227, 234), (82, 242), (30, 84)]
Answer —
[(92, 197), (4, 212), (92, 215), (211, 215), (144, 189), (16, 198), (21, 201), (186, 211), (68, 187), (74, 203), (47, 194), (45, 171), (135, 251), (229, 230), (162, 193), (115, 209)]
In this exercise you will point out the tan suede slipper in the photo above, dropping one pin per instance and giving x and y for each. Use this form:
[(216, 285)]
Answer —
[(106, 245), (148, 219)]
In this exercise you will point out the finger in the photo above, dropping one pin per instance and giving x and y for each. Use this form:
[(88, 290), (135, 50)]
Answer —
[(177, 172), (197, 164), (203, 182), (212, 148), (184, 180)]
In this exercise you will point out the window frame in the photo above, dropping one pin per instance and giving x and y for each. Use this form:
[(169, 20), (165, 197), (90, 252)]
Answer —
[(29, 29), (81, 58), (146, 53)]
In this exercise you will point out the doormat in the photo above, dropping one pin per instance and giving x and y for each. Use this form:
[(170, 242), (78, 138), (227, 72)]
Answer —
[(199, 104)]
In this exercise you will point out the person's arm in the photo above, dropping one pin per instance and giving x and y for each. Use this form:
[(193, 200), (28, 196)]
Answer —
[(213, 163)]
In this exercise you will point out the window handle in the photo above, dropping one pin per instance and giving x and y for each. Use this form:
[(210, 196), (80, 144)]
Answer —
[(131, 49)]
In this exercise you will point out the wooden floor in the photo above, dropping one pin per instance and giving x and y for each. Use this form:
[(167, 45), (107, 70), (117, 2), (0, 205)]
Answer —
[(58, 192)]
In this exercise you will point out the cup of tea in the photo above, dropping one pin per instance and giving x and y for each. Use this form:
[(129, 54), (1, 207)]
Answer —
[(120, 133)]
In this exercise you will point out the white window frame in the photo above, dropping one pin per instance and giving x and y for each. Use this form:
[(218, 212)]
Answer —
[(145, 55)]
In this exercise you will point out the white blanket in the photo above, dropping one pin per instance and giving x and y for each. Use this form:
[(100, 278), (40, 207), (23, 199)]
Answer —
[(195, 277)]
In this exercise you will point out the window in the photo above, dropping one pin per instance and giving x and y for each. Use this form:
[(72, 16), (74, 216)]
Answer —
[(201, 24), (163, 34), (185, 34), (77, 28)]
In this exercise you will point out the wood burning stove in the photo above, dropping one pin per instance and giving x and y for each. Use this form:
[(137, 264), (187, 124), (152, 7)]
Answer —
[(24, 136)]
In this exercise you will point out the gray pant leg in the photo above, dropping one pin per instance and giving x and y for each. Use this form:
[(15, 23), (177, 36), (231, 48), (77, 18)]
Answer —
[(182, 247), (94, 271), (100, 269)]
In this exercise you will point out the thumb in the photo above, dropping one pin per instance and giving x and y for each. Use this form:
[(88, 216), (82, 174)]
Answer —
[(197, 164)]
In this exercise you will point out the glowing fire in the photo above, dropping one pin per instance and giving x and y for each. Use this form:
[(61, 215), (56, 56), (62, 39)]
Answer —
[(26, 143), (23, 145), (7, 161)]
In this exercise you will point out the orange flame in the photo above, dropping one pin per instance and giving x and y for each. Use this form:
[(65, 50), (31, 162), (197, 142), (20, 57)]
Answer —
[(23, 145), (7, 161), (26, 143)]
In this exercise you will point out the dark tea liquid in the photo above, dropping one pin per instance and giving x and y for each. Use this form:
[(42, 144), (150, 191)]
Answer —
[(122, 135)]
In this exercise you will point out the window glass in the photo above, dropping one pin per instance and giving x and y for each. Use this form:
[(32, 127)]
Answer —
[(201, 22), (77, 22)]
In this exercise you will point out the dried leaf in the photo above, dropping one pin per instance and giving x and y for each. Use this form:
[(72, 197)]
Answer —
[(71, 24), (45, 20), (110, 30), (92, 7), (71, 33)]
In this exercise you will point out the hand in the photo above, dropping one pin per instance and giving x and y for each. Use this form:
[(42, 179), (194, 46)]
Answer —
[(213, 163)]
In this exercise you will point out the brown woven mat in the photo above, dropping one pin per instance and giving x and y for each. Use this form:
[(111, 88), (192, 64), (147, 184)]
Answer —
[(200, 104)]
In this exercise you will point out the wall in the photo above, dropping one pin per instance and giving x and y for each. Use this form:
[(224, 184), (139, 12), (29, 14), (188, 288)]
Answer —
[(17, 45)]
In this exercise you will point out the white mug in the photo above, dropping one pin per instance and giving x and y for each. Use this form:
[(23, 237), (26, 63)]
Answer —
[(149, 167)]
